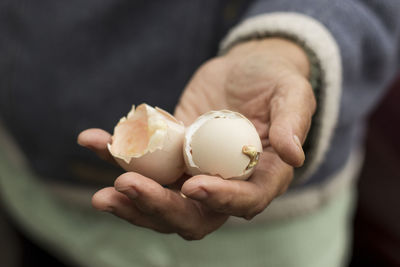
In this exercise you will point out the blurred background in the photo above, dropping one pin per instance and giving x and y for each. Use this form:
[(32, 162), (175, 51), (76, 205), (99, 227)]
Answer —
[(377, 219)]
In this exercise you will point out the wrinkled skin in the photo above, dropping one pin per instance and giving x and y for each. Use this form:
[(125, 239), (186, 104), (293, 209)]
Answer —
[(264, 80)]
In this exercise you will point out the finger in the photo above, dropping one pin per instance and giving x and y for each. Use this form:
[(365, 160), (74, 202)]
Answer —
[(241, 198), (96, 140), (238, 198), (110, 200), (291, 113), (262, 128), (164, 205), (147, 194)]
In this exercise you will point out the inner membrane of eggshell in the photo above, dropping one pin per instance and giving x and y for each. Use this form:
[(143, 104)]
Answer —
[(143, 130), (130, 137)]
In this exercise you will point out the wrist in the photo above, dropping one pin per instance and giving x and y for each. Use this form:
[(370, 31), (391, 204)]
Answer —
[(279, 49)]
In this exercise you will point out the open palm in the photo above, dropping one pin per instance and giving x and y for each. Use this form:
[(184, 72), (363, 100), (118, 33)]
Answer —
[(265, 81)]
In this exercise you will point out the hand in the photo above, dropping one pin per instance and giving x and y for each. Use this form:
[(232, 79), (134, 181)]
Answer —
[(267, 81), (264, 80), (143, 202)]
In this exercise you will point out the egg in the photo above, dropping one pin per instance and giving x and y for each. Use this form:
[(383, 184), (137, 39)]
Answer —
[(149, 141), (222, 143)]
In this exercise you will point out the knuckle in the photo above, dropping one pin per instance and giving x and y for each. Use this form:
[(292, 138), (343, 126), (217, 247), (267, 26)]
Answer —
[(190, 236), (277, 102), (287, 181), (249, 217), (151, 208), (313, 104), (256, 209), (160, 206), (224, 204), (310, 97), (209, 67), (302, 82), (124, 179), (282, 190), (252, 213), (192, 231)]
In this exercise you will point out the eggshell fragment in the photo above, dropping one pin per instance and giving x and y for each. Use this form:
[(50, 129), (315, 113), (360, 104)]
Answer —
[(149, 141), (220, 143)]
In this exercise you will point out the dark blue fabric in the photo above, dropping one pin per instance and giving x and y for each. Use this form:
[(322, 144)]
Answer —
[(71, 65)]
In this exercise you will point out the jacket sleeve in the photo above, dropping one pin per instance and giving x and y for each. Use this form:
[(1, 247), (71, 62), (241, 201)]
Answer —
[(353, 49)]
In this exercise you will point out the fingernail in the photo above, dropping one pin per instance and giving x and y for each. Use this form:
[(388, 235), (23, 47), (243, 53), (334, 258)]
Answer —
[(297, 141), (198, 194), (129, 191)]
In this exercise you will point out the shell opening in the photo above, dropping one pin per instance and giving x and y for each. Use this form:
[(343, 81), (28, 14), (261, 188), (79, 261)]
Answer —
[(142, 131)]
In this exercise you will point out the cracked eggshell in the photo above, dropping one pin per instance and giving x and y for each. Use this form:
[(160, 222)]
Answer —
[(149, 141), (217, 143)]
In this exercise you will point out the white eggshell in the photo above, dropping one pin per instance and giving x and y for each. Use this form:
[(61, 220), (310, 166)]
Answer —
[(214, 142), (162, 158)]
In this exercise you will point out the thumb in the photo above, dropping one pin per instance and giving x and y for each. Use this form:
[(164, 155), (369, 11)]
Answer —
[(292, 108), (96, 140)]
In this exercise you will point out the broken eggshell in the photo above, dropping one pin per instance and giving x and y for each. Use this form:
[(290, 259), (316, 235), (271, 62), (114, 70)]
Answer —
[(222, 143), (149, 141)]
